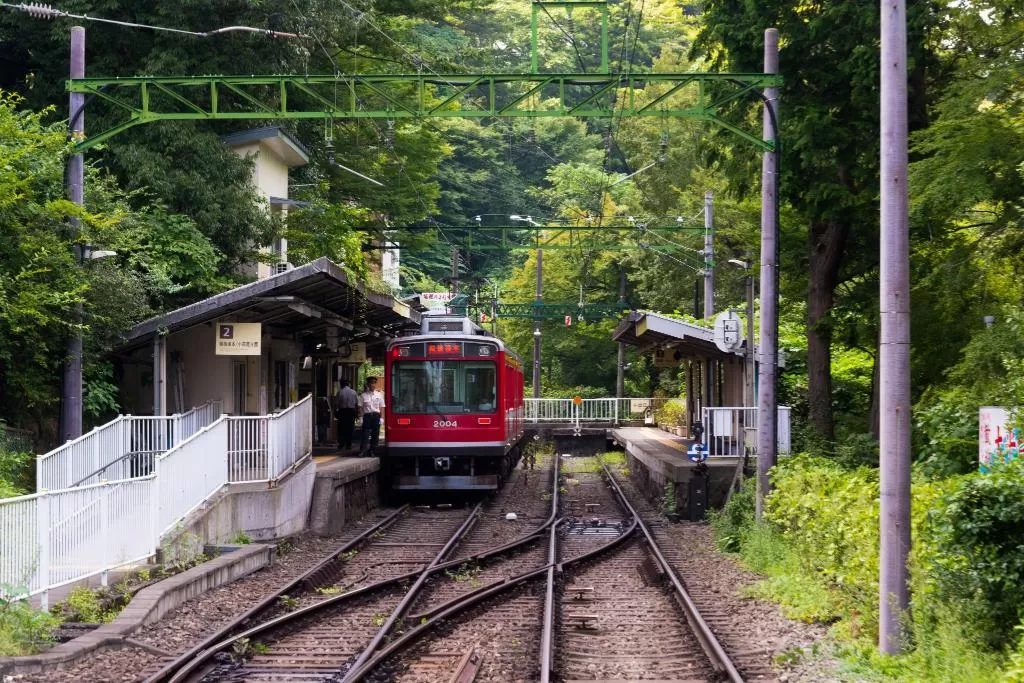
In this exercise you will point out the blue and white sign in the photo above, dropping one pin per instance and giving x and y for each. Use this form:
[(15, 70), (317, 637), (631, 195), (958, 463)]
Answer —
[(698, 452)]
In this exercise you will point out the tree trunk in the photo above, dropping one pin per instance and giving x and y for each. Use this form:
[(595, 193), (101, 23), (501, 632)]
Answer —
[(827, 244)]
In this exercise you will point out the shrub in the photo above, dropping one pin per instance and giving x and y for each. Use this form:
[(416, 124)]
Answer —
[(672, 412), (23, 629), (979, 550)]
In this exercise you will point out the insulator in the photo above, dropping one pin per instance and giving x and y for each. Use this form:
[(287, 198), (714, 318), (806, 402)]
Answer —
[(38, 10)]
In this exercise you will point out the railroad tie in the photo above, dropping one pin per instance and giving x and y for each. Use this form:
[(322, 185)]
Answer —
[(581, 592), (587, 621)]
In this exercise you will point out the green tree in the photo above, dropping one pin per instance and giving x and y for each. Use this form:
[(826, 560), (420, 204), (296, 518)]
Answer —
[(829, 58)]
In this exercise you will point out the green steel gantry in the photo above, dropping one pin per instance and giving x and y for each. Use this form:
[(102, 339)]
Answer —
[(147, 99)]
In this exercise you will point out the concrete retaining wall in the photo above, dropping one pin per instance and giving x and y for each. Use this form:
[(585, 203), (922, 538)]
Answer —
[(343, 491)]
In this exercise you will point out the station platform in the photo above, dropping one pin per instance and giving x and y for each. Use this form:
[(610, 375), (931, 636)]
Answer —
[(345, 488), (657, 458)]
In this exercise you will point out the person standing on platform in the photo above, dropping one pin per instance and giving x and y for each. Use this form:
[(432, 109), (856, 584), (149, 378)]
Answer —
[(371, 403), (348, 403)]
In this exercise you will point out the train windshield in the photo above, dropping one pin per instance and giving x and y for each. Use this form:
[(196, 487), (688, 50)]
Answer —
[(443, 386)]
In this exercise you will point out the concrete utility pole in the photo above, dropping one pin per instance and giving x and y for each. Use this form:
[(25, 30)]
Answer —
[(620, 367), (536, 329), (749, 399), (894, 349), (709, 256), (767, 401), (71, 399)]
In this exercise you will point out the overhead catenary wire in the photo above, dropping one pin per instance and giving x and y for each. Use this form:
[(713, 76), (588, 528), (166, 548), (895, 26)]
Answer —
[(39, 10)]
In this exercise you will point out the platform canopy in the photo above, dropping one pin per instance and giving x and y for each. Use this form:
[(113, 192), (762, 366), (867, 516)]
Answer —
[(648, 331), (306, 301)]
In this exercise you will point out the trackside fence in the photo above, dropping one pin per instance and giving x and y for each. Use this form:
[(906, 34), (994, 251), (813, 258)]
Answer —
[(190, 473), (732, 431), (613, 410), (263, 448), (123, 448), (56, 537)]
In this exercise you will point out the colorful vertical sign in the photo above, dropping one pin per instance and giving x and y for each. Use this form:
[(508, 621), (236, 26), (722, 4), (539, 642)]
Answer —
[(998, 439)]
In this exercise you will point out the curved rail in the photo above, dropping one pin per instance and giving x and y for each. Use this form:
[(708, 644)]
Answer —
[(720, 661), (318, 575), (185, 664), (717, 656)]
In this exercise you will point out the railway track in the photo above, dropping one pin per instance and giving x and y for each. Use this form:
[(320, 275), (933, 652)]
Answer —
[(589, 592), (341, 613), (609, 607)]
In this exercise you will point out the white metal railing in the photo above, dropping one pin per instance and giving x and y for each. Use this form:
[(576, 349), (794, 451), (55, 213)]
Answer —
[(732, 431), (54, 538), (614, 410), (190, 473), (290, 436), (187, 424), (264, 447), (123, 448)]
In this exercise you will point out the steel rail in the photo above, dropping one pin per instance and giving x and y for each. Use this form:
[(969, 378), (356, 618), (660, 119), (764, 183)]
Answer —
[(720, 660), (547, 636), (414, 591), (269, 600), (464, 602), (220, 640)]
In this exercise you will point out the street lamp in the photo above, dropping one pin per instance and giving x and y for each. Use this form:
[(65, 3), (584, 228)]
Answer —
[(748, 374)]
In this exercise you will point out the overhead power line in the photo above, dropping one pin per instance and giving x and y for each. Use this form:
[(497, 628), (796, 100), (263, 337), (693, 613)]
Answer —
[(39, 10)]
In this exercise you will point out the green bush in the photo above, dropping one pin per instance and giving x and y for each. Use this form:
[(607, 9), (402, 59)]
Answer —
[(829, 517), (23, 629), (17, 467), (979, 550), (671, 413)]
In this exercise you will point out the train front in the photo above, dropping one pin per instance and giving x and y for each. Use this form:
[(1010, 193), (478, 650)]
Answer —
[(453, 419)]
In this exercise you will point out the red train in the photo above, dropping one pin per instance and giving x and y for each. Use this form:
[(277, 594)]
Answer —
[(455, 408)]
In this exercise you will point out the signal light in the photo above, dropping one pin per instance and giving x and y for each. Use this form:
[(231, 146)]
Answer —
[(483, 420), (404, 421)]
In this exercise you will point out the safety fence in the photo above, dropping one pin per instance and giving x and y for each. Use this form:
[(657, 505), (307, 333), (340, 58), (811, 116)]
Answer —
[(56, 537), (261, 448), (124, 448), (732, 431), (613, 410)]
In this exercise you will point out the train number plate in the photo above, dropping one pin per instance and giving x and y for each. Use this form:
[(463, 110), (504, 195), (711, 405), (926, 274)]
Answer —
[(446, 423)]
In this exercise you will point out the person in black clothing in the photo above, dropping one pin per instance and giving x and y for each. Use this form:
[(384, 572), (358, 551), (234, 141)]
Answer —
[(347, 400)]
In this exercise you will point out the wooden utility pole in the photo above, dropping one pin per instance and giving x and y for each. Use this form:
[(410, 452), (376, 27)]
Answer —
[(71, 389), (709, 256), (767, 400), (894, 349)]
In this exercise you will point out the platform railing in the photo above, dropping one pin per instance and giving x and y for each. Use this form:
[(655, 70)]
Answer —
[(613, 410), (264, 447), (732, 431), (54, 538), (122, 448), (190, 473)]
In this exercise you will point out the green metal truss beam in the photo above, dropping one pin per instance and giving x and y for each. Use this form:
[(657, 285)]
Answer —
[(542, 311), (144, 99), (555, 237)]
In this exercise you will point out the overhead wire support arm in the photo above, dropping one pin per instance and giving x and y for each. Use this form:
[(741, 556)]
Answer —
[(141, 100)]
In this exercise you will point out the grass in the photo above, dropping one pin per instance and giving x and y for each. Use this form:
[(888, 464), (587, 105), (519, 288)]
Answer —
[(944, 651), (24, 630), (592, 464)]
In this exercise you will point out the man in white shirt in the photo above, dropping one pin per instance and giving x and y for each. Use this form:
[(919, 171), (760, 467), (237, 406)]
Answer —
[(371, 403), (347, 404)]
